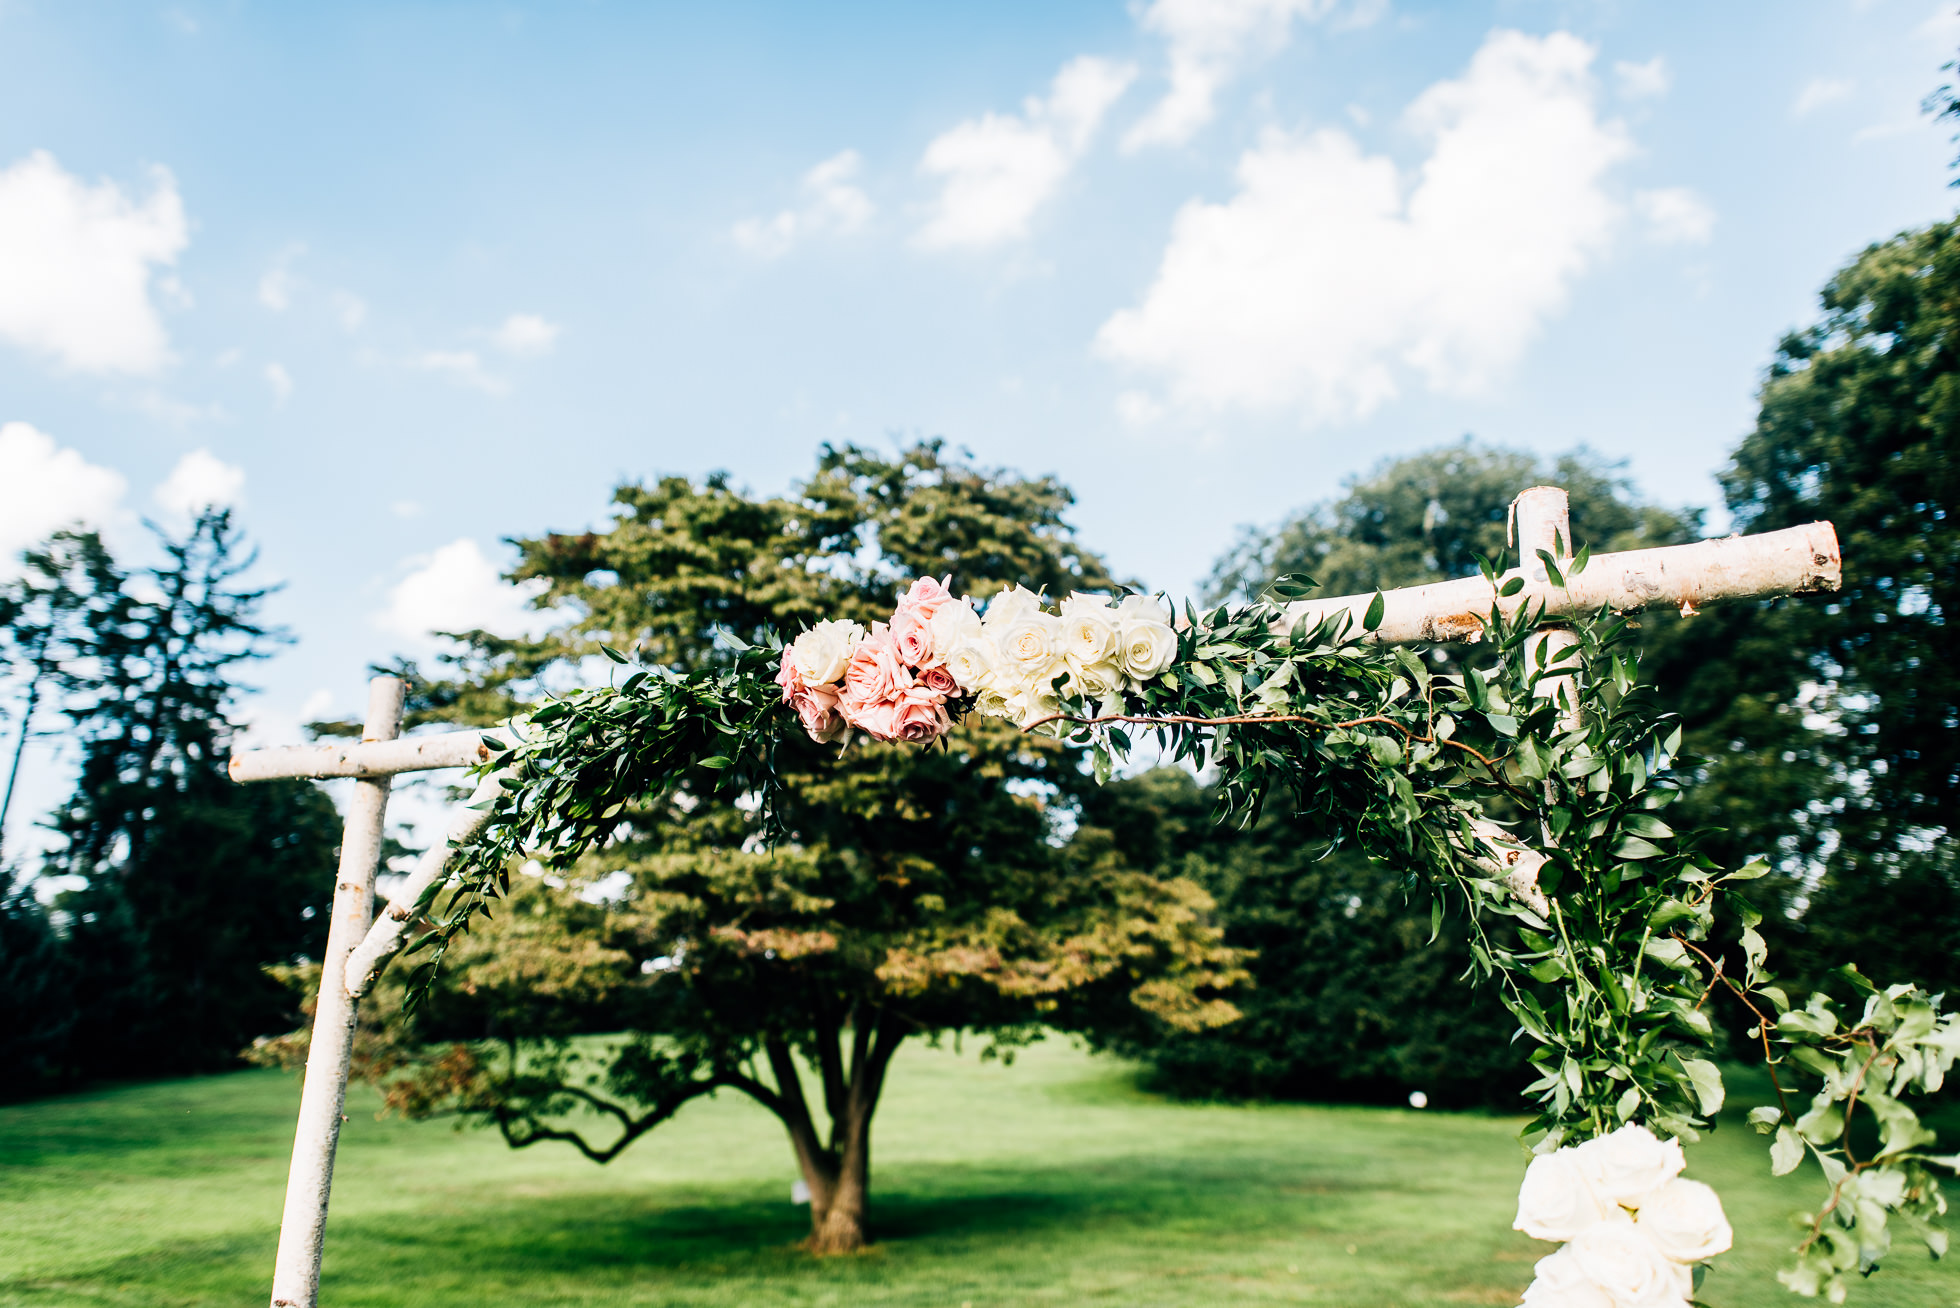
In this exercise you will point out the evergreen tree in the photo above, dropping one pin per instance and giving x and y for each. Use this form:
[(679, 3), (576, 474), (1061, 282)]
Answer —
[(188, 884)]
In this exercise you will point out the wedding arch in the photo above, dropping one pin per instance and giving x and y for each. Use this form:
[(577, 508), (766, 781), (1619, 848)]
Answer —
[(1530, 786)]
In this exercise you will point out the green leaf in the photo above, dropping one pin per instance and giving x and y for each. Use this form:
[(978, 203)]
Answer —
[(1786, 1152), (1633, 847), (1502, 723), (613, 654), (1511, 587), (717, 761), (1765, 1119), (1646, 824), (1707, 1081), (1377, 607), (1624, 1106), (1749, 871), (1551, 568)]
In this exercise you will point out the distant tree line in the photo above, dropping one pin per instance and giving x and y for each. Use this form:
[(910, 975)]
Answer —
[(136, 945)]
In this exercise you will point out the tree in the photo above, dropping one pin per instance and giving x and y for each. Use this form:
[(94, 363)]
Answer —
[(1352, 998), (922, 893), (64, 592), (188, 885), (1860, 424)]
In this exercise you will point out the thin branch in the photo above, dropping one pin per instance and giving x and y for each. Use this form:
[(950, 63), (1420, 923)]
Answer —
[(1764, 1024)]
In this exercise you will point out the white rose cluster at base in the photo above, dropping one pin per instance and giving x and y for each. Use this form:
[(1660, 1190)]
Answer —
[(1633, 1227)]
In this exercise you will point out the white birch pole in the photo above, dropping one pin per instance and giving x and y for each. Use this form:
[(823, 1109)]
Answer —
[(1794, 561), (302, 1231), (1543, 521), (384, 938)]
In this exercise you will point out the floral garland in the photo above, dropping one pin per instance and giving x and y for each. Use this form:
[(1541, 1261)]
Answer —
[(1635, 1231), (903, 680), (1613, 953)]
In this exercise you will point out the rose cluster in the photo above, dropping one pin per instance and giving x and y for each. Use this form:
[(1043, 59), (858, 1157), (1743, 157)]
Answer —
[(1632, 1226), (887, 682), (896, 681)]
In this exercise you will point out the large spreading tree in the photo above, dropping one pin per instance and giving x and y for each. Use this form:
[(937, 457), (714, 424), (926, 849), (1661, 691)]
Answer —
[(921, 893)]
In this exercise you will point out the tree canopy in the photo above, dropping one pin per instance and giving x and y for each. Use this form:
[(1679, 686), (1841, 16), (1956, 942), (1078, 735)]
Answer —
[(930, 893)]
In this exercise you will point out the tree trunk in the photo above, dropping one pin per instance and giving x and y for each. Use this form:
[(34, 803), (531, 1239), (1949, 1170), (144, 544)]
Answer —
[(838, 1174), (837, 1223)]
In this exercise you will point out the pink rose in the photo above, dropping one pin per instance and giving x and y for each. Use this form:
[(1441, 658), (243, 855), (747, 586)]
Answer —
[(816, 706), (788, 677), (878, 719), (920, 716), (911, 636), (939, 680), (873, 682), (926, 595)]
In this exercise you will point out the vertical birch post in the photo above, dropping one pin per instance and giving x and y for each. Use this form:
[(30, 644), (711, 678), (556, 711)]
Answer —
[(1544, 522), (302, 1231)]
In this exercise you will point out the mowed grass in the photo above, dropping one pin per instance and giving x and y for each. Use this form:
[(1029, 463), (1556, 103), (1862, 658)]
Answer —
[(1054, 1181)]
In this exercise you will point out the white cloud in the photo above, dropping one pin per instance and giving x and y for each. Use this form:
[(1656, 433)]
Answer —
[(832, 203), (406, 508), (169, 409), (201, 480), (351, 309), (464, 367), (1648, 81), (1675, 215), (44, 487), (280, 381), (75, 265), (277, 283), (1209, 41), (526, 333), (1138, 408), (458, 589), (1329, 273), (999, 168), (1820, 91)]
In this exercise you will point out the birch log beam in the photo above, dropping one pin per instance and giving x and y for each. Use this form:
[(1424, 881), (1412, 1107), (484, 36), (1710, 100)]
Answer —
[(368, 758), (302, 1231), (1795, 561)]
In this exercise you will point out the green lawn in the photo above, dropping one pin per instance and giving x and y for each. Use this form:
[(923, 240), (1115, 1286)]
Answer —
[(1053, 1181)]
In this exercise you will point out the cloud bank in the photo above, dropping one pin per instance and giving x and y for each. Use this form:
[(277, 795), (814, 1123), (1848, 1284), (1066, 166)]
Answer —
[(76, 263), (995, 171), (1330, 275)]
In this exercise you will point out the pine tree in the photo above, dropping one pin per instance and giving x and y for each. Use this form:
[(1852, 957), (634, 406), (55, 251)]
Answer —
[(188, 884)]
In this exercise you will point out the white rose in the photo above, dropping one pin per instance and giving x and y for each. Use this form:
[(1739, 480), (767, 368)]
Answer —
[(1143, 608), (1617, 1256), (1009, 608), (1561, 1284), (1556, 1202), (1684, 1219), (991, 703), (823, 652), (1146, 647), (972, 663), (1099, 681), (952, 626), (1088, 630), (1030, 646), (1630, 1164), (1035, 703)]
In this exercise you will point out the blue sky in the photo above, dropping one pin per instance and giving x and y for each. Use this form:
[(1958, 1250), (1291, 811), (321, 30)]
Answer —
[(402, 280)]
